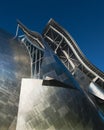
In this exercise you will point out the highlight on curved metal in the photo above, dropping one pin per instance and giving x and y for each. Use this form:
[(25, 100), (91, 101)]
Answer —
[(96, 91), (14, 65)]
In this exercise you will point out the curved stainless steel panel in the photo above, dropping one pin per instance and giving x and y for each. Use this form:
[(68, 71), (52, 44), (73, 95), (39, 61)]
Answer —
[(96, 91), (14, 65)]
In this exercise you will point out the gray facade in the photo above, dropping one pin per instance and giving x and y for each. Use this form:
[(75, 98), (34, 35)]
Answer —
[(14, 65), (63, 90)]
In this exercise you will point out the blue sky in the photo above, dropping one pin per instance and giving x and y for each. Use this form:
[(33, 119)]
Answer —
[(83, 19)]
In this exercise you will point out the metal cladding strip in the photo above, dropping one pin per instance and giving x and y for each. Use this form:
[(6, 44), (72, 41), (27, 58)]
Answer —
[(74, 51), (29, 33), (56, 83), (96, 91)]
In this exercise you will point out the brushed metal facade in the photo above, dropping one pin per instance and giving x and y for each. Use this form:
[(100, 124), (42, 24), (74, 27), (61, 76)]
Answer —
[(55, 108), (57, 95), (14, 65), (68, 78)]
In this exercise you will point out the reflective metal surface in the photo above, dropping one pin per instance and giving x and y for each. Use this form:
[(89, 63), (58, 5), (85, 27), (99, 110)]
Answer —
[(96, 91), (14, 65), (74, 60), (55, 108), (62, 102)]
